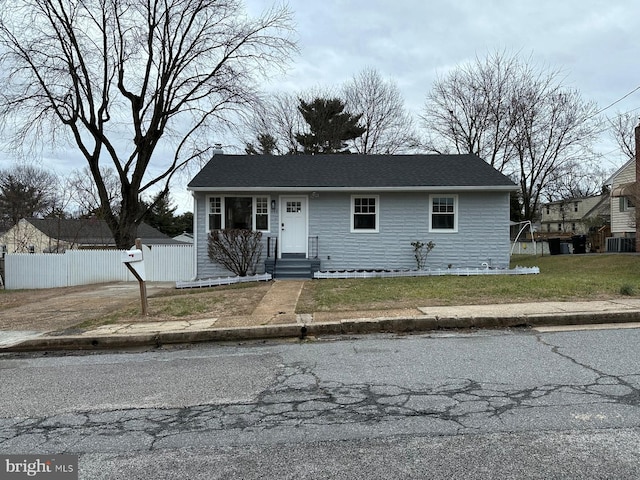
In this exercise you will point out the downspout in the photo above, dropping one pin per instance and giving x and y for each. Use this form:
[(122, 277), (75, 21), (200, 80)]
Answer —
[(637, 186), (195, 237)]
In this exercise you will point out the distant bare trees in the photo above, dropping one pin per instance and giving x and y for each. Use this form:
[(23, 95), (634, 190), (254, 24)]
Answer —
[(85, 195), (575, 182), (470, 109), (518, 117), (276, 118), (623, 127), (389, 128)]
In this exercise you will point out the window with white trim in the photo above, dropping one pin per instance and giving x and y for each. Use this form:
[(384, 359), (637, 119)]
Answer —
[(215, 213), (443, 213), (625, 204), (364, 213), (262, 213), (250, 213)]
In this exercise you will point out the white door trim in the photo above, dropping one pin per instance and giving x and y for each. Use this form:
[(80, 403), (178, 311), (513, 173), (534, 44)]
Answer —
[(282, 201)]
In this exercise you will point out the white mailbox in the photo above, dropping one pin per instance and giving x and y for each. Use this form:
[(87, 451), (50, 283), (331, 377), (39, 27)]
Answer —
[(131, 256)]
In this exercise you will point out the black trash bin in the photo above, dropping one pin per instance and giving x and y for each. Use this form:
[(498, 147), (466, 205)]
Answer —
[(579, 243), (554, 246)]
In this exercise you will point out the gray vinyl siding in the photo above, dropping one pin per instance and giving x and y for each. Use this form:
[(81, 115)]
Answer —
[(482, 235), (205, 268)]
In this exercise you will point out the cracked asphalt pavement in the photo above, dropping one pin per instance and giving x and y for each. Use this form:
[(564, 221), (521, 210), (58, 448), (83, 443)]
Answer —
[(241, 408)]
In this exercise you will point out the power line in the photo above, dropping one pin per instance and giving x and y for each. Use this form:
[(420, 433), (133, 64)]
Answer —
[(617, 101)]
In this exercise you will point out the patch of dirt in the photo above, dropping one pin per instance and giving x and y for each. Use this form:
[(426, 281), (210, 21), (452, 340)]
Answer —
[(211, 302), (65, 308), (18, 298)]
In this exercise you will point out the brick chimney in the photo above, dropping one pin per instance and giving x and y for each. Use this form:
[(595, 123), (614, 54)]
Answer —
[(636, 190)]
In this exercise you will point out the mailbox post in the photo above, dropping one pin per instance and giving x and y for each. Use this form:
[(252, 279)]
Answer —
[(134, 261)]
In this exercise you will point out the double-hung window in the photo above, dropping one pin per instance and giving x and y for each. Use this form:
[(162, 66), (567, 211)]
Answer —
[(443, 215), (250, 213), (215, 213), (625, 204), (365, 213)]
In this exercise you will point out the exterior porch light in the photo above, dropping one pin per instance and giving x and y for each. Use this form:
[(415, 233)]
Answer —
[(273, 205)]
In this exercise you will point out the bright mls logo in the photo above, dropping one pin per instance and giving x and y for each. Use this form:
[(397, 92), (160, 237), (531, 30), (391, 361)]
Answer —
[(50, 467)]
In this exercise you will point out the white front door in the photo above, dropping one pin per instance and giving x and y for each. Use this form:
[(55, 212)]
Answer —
[(293, 225)]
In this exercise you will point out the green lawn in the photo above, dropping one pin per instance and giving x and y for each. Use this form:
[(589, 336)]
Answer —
[(562, 277)]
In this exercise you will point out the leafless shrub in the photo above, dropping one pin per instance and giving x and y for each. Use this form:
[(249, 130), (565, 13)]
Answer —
[(238, 250)]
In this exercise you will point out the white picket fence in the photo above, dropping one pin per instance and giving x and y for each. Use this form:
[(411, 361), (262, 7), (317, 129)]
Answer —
[(163, 263)]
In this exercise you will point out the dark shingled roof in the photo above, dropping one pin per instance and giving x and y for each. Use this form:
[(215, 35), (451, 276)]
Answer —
[(348, 171), (91, 231)]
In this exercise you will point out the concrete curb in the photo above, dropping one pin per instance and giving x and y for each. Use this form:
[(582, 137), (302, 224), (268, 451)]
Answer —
[(348, 326)]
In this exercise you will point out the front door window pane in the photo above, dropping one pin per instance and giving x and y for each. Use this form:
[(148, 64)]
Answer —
[(294, 207)]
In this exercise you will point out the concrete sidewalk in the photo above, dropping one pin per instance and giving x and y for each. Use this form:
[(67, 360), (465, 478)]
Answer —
[(275, 317)]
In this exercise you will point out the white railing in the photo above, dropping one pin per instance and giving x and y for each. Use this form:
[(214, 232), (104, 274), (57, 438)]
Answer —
[(215, 282), (462, 272), (163, 263)]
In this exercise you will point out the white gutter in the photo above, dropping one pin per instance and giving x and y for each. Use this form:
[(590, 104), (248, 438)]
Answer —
[(466, 188)]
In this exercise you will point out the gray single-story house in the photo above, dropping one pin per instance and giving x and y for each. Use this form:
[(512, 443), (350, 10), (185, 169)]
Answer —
[(342, 212)]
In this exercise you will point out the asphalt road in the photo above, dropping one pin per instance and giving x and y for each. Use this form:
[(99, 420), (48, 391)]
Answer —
[(487, 404)]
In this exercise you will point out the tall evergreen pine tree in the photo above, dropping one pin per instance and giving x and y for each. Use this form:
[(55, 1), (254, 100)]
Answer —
[(330, 127)]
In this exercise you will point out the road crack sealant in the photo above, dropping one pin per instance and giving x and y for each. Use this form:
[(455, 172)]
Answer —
[(613, 388), (298, 400)]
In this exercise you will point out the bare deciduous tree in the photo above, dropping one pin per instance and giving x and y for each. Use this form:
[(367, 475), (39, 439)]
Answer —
[(469, 109), (515, 115), (137, 86), (84, 193), (278, 117), (553, 132), (389, 127), (575, 180), (622, 130)]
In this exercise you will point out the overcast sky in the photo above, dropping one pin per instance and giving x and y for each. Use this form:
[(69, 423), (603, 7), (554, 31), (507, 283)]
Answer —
[(595, 44)]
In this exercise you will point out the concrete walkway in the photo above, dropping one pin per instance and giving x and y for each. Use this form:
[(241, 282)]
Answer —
[(275, 317), (279, 303), (535, 309)]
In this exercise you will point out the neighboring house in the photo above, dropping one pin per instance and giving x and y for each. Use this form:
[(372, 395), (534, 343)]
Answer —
[(334, 212), (622, 185), (184, 237), (575, 216), (55, 235)]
